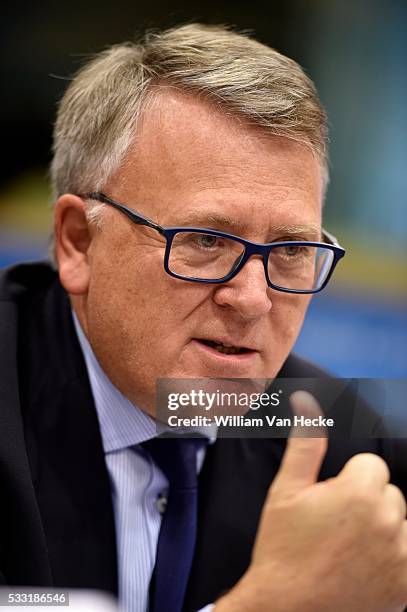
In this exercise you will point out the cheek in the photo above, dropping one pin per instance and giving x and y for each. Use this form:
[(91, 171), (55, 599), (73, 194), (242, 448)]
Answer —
[(289, 311), (286, 318), (142, 305)]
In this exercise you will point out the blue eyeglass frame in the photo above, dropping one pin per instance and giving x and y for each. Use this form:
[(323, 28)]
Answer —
[(251, 248)]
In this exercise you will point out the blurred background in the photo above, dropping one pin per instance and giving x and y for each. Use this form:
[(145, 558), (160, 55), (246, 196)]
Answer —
[(355, 51)]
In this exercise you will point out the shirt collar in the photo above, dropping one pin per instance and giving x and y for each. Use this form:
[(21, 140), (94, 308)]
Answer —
[(122, 423)]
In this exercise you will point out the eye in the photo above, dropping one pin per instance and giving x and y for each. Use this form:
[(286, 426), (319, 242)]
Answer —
[(292, 251), (206, 241)]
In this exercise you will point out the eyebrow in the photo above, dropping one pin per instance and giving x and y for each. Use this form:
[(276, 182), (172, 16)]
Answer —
[(207, 219), (311, 231)]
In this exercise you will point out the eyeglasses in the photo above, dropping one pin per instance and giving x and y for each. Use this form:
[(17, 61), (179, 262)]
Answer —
[(210, 256)]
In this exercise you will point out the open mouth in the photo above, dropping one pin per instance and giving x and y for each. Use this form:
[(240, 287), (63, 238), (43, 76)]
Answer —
[(226, 350)]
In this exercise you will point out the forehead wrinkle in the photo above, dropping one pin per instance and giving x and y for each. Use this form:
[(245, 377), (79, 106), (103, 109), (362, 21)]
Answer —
[(202, 219)]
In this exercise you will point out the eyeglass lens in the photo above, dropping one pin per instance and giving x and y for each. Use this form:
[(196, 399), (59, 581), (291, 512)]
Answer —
[(203, 256)]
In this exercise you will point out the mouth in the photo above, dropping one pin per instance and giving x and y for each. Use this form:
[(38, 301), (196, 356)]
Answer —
[(225, 348)]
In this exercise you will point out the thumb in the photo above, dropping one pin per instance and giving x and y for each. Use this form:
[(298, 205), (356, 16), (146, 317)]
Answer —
[(306, 449)]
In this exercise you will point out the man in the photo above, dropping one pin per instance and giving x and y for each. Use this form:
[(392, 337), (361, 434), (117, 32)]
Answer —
[(196, 127)]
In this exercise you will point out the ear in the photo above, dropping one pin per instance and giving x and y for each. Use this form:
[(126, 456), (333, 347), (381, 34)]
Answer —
[(72, 242)]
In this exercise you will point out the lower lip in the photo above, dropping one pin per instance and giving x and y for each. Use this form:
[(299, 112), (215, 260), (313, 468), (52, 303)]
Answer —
[(239, 358)]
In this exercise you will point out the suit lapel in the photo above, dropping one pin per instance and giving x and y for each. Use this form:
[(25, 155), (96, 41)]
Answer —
[(65, 448), (23, 551)]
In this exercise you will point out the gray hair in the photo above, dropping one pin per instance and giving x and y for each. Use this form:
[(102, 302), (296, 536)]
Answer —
[(98, 114)]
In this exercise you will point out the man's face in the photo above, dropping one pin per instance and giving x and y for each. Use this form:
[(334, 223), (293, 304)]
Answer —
[(190, 162)]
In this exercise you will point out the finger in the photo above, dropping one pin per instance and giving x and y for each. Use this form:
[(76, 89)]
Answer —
[(304, 455), (306, 408), (404, 540), (395, 501), (368, 469)]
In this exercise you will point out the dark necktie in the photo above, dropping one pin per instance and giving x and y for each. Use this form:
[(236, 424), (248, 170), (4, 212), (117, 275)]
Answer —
[(176, 457)]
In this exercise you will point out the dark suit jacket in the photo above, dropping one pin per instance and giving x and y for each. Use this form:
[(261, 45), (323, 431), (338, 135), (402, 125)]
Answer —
[(56, 516)]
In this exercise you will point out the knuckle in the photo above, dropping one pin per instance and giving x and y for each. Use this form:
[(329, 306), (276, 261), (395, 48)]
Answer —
[(398, 497), (361, 499), (369, 461), (388, 522)]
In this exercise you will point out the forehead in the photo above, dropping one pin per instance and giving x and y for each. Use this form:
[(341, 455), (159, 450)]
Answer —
[(189, 157)]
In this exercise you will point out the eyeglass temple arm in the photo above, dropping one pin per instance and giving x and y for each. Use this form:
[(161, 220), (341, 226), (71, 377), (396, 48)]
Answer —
[(133, 216), (331, 238)]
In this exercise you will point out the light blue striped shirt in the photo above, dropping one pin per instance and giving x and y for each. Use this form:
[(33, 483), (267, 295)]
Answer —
[(138, 486)]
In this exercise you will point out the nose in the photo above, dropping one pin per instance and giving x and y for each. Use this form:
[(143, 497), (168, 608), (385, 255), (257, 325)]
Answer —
[(248, 292)]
